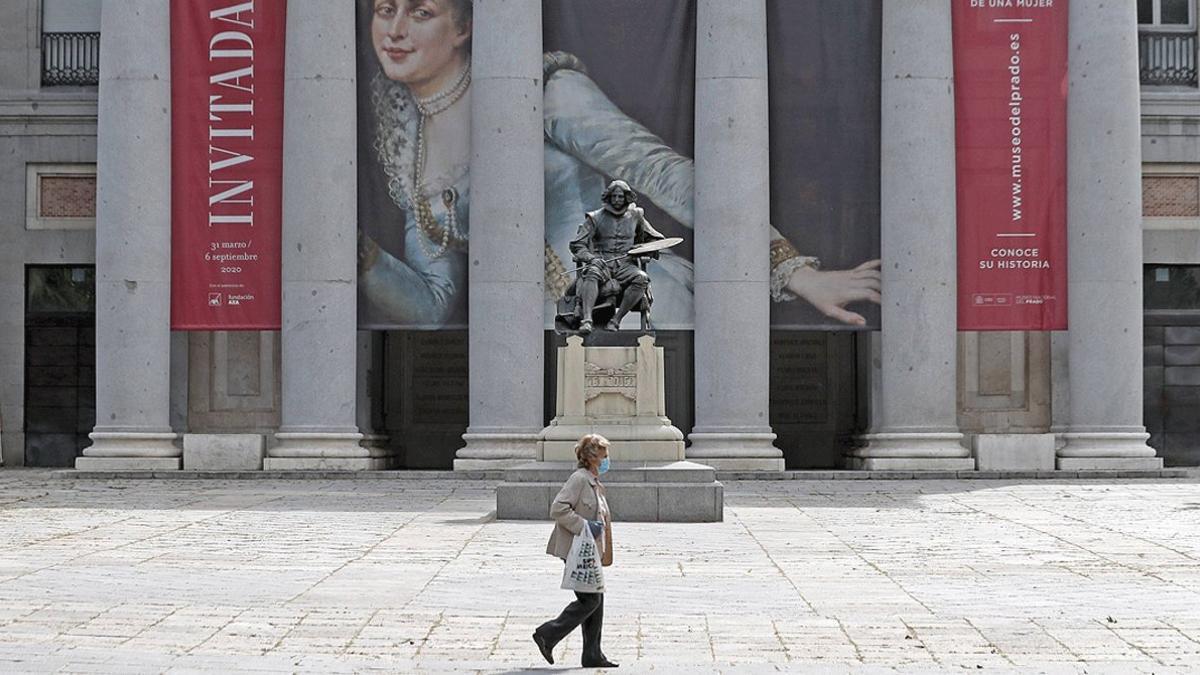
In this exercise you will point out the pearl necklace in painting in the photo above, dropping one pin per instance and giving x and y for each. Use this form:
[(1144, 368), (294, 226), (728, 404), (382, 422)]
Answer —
[(428, 107)]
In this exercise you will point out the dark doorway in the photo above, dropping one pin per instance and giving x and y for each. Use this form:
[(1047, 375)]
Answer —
[(425, 395), (60, 358), (814, 396), (1171, 362)]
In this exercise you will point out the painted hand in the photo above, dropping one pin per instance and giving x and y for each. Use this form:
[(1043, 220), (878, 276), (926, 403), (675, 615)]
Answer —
[(368, 252), (831, 291)]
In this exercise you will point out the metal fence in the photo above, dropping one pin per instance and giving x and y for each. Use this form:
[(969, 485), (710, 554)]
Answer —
[(1168, 58), (70, 59)]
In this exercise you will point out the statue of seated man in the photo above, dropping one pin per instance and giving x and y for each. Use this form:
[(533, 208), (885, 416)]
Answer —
[(600, 250)]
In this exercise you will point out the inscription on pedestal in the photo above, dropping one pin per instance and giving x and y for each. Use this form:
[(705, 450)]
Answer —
[(598, 380)]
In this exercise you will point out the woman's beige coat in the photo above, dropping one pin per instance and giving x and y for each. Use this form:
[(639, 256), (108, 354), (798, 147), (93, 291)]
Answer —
[(576, 503)]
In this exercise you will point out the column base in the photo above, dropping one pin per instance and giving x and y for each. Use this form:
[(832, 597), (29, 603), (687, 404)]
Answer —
[(131, 451), (487, 451), (915, 451), (1106, 444), (1116, 450), (374, 440), (324, 451), (735, 450)]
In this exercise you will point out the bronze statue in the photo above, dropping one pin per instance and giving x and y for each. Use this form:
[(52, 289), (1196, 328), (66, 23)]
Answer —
[(611, 250)]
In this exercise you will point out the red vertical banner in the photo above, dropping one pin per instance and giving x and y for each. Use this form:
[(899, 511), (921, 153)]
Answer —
[(1010, 80), (226, 163)]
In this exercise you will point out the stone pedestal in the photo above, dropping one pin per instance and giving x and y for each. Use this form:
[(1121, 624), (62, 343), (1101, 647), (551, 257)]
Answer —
[(1014, 452), (617, 392), (1104, 254), (133, 207), (223, 452)]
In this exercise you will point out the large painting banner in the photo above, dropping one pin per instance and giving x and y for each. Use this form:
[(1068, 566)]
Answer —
[(414, 151), (824, 62), (619, 103), (1010, 73), (226, 163)]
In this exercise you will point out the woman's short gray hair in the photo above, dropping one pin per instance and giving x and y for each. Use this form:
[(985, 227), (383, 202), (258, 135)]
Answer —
[(588, 448)]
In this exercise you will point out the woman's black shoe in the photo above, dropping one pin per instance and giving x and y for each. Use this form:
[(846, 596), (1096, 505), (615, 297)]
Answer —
[(602, 663), (546, 650)]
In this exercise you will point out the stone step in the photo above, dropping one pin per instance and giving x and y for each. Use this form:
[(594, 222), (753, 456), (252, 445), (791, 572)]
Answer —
[(629, 502), (1061, 474), (621, 472), (391, 474)]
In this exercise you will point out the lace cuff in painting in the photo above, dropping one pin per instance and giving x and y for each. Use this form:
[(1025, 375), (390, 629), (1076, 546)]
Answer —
[(785, 260)]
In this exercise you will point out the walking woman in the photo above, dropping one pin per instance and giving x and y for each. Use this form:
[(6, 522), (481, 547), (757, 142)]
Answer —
[(579, 504)]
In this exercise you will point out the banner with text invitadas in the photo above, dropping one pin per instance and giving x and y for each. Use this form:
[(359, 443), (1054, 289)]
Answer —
[(226, 163), (1010, 79)]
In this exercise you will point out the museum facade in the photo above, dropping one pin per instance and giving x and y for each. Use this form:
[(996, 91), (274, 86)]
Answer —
[(813, 157)]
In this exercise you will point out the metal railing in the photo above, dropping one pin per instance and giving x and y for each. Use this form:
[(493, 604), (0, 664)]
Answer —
[(70, 59), (1167, 58)]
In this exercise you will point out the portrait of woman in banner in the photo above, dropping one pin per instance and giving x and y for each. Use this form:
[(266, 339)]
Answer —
[(414, 121)]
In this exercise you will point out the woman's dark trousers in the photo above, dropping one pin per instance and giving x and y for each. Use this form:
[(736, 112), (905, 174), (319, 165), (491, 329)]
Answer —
[(588, 611)]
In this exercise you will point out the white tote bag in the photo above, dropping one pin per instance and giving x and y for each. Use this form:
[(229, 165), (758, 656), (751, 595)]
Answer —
[(583, 572)]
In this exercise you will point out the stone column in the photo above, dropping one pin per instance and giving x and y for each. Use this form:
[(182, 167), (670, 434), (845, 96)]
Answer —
[(732, 230), (507, 237), (1104, 253), (318, 427), (915, 426), (133, 242)]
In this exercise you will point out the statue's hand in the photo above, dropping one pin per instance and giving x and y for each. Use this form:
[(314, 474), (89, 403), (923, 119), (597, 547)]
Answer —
[(831, 291)]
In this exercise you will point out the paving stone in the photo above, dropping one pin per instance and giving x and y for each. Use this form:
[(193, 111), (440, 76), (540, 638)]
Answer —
[(414, 575)]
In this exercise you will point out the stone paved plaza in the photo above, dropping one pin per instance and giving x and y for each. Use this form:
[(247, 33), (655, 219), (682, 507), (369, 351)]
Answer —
[(407, 575)]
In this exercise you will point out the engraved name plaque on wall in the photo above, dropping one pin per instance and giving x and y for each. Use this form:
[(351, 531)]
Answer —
[(438, 378), (799, 378)]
